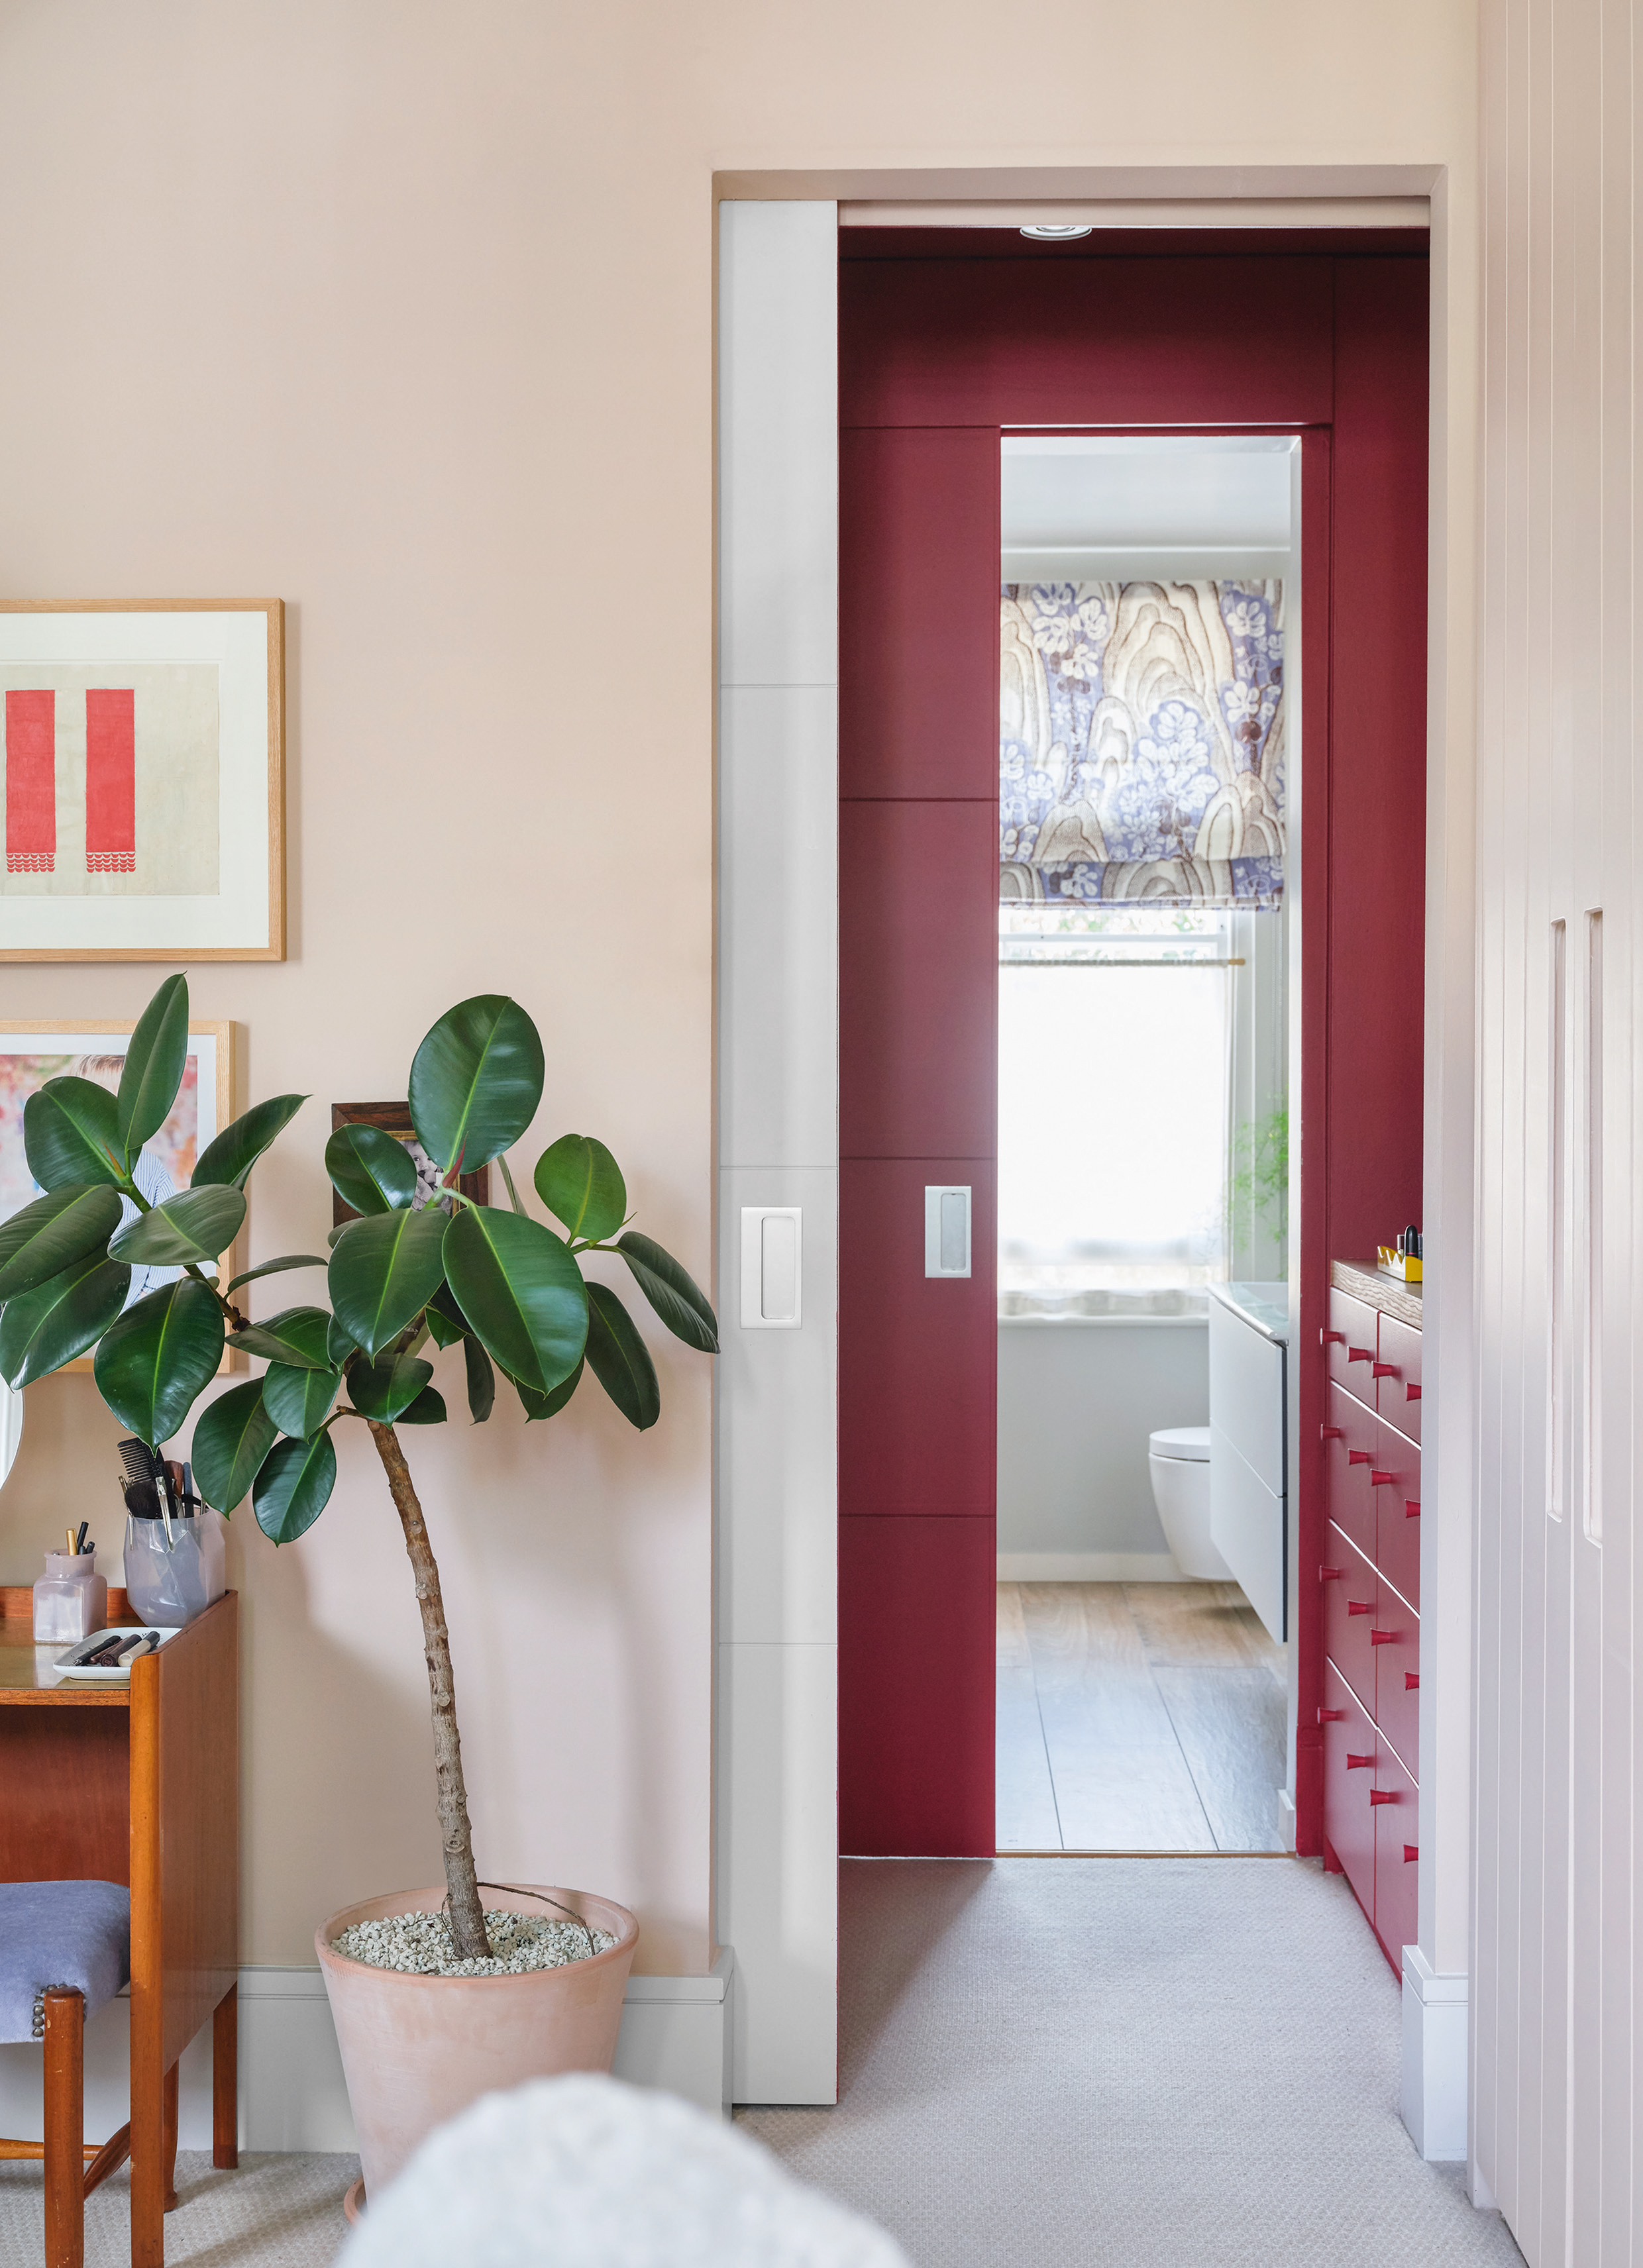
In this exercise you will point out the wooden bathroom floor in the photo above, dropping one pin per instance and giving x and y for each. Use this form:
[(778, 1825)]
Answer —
[(1136, 1717)]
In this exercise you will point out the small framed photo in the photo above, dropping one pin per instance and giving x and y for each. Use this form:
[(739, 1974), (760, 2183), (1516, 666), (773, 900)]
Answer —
[(141, 780), (32, 1052), (395, 1118)]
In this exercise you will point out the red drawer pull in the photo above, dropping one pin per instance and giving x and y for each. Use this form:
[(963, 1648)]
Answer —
[(1330, 1574), (1358, 1354), (1384, 1370), (1331, 1433), (1331, 1716), (1358, 1764), (1382, 1795), (1411, 1681), (1411, 1852), (1358, 1457), (1383, 1637), (1358, 1607), (1381, 1480), (1331, 1338), (1411, 1393), (1411, 1507)]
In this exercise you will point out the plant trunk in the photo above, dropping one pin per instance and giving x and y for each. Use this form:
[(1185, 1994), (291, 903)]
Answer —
[(468, 1918)]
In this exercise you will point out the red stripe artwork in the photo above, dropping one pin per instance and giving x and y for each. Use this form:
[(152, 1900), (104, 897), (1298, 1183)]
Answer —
[(110, 783), (31, 782)]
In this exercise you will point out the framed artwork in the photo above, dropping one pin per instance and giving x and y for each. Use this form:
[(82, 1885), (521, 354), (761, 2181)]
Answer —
[(32, 1052), (395, 1118), (141, 780)]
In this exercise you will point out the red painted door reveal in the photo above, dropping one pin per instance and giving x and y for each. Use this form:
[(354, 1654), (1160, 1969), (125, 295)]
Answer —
[(946, 337)]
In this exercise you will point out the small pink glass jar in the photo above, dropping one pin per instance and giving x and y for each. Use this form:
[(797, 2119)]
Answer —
[(71, 1599)]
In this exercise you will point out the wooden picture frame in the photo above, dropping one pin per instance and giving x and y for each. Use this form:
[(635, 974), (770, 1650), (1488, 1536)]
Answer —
[(215, 1074), (395, 1118), (143, 779)]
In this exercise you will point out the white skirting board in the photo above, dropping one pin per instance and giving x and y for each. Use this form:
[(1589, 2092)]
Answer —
[(1433, 2098), (675, 2035), (1089, 1567)]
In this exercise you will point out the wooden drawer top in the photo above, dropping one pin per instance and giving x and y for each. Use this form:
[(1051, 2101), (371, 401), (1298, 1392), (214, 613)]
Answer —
[(1364, 1280)]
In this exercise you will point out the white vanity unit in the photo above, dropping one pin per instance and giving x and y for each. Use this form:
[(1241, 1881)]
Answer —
[(1248, 1349)]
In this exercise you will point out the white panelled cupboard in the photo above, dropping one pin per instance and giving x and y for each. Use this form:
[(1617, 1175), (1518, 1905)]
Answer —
[(1556, 2035)]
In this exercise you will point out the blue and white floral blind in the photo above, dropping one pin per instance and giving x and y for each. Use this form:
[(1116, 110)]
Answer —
[(1141, 731)]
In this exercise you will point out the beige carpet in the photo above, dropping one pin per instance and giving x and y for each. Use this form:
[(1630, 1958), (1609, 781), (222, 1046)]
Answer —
[(1125, 2063), (270, 2212)]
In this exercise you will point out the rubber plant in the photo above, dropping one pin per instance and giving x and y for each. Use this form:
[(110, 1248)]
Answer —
[(503, 1284)]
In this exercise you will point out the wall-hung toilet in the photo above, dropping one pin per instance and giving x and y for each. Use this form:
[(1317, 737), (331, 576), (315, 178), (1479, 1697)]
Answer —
[(1179, 1460)]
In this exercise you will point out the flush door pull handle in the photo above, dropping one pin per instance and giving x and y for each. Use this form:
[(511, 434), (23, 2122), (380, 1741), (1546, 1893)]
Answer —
[(1383, 1796), (1382, 1638), (946, 1230), (1359, 1764), (1384, 1370)]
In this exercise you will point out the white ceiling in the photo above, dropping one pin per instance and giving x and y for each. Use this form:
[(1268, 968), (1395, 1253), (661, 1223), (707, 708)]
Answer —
[(1092, 506)]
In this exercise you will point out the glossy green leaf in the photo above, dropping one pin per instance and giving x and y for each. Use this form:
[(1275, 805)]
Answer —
[(194, 1226), (293, 1487), (522, 1291), (155, 1056), (297, 1401), (52, 1233), (441, 1330), (581, 1184), (230, 1440), (154, 1361), (383, 1271), (369, 1169), (547, 1405), (276, 1268), (427, 1410), (620, 1360), (680, 1302), (476, 1081), (70, 1134), (514, 1199), (481, 1379), (297, 1336), (230, 1157), (382, 1389), (338, 1345), (41, 1330)]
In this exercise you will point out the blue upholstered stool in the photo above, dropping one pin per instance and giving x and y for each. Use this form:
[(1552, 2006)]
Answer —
[(65, 1948)]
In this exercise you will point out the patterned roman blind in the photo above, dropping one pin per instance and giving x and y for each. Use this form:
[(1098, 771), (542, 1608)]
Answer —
[(1141, 743)]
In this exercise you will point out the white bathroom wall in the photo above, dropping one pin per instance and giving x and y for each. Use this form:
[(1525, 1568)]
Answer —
[(1076, 1402)]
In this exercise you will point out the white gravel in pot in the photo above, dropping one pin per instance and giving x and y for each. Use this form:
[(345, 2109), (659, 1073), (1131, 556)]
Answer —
[(420, 1944)]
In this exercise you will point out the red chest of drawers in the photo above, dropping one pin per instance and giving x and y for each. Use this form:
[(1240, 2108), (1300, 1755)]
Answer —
[(1370, 1580)]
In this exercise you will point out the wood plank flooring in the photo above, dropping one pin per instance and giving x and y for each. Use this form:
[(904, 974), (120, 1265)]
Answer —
[(1136, 1717)]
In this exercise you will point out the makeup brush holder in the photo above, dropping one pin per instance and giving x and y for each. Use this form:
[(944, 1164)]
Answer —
[(71, 1599), (171, 1578)]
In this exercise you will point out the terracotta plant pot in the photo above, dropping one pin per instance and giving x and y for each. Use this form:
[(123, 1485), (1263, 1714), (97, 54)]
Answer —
[(417, 2050)]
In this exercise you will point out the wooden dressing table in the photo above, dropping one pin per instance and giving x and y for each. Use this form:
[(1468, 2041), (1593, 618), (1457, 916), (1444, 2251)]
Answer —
[(139, 1782)]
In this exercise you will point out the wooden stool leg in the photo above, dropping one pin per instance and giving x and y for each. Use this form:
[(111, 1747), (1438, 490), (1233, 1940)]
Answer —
[(225, 2079), (169, 2145), (65, 2130)]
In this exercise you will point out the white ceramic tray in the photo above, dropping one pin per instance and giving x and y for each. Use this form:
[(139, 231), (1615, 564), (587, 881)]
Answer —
[(69, 1664)]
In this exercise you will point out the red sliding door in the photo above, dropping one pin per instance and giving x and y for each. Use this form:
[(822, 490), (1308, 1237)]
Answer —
[(946, 338)]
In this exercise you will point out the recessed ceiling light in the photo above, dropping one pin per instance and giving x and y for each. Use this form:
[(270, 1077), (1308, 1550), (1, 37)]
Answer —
[(1058, 231)]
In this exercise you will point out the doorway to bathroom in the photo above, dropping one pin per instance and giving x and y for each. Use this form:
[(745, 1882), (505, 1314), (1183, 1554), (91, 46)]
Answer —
[(997, 1001), (1144, 1040)]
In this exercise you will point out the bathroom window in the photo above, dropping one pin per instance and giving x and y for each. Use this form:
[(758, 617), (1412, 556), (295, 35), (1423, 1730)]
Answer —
[(1114, 1087)]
